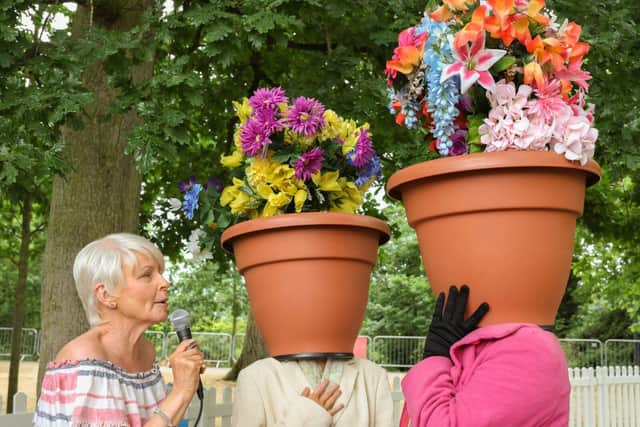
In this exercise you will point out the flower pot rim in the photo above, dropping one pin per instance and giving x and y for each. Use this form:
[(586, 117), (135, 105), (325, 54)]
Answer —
[(305, 219), (492, 160)]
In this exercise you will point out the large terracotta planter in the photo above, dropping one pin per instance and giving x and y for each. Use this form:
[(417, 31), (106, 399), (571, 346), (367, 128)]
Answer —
[(501, 222), (307, 276)]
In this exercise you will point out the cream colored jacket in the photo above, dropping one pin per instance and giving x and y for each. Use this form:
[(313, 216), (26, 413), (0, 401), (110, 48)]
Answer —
[(268, 395)]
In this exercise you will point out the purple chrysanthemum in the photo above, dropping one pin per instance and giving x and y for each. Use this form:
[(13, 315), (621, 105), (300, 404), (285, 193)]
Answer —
[(305, 117), (254, 137), (269, 120), (267, 99), (364, 149), (309, 163)]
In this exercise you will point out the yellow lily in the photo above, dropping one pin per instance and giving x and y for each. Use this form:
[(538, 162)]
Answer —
[(233, 160), (299, 199), (332, 125), (327, 181), (243, 110), (348, 199), (275, 204)]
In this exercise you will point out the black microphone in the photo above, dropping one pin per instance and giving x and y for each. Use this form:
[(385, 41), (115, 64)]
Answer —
[(181, 322)]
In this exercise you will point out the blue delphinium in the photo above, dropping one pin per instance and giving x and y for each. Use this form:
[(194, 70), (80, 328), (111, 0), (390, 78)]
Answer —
[(441, 97), (190, 204), (373, 169), (410, 108)]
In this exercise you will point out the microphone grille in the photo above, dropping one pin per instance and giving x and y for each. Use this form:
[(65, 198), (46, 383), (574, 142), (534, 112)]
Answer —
[(180, 319)]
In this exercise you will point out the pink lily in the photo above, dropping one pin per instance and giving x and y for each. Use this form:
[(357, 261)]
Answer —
[(574, 73), (472, 60)]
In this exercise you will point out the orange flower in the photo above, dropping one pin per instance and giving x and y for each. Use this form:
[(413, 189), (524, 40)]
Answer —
[(441, 14), (569, 34), (533, 10), (547, 50), (408, 58), (578, 51), (458, 4), (500, 24), (533, 73), (477, 20), (521, 30), (449, 7)]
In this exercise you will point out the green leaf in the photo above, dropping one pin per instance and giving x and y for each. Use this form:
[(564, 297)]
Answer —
[(504, 63)]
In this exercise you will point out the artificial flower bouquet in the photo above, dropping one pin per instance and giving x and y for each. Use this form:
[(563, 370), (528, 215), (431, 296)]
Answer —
[(493, 75), (289, 156)]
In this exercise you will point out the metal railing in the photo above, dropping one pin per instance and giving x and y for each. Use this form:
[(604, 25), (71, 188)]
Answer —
[(583, 352), (159, 341), (224, 349), (621, 352), (29, 343), (396, 351), (216, 346)]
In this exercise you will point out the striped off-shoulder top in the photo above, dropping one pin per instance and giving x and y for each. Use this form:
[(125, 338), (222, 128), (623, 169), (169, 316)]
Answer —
[(97, 393)]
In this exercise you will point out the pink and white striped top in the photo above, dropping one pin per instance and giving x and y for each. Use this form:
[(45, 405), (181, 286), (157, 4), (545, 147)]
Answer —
[(97, 393)]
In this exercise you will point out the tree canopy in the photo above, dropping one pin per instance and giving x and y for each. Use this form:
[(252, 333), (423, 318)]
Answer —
[(205, 54)]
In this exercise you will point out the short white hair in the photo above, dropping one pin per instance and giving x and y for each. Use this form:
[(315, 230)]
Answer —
[(103, 261)]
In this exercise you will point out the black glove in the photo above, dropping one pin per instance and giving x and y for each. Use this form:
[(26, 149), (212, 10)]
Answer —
[(449, 326)]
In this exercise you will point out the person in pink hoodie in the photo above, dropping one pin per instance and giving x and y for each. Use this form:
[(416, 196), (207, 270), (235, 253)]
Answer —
[(507, 375)]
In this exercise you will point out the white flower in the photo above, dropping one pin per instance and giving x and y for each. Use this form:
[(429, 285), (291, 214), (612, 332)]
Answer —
[(174, 204), (199, 254)]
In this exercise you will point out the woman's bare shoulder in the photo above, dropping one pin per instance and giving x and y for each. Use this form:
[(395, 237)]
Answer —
[(85, 346)]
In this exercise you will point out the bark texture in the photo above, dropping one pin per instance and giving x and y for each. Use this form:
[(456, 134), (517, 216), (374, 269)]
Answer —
[(102, 193)]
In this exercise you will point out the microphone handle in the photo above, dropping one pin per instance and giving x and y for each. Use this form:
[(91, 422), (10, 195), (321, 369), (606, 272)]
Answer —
[(185, 334)]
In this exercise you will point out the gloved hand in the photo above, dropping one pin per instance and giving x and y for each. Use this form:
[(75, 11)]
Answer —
[(449, 326)]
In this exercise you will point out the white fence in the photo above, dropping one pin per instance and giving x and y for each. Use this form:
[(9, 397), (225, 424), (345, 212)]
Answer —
[(600, 397), (605, 396)]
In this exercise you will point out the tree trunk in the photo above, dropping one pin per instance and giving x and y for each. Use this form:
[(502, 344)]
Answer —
[(253, 349), (234, 305), (18, 311), (102, 193)]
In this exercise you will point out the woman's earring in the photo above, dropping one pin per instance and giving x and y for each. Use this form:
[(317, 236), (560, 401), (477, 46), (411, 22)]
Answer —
[(112, 305)]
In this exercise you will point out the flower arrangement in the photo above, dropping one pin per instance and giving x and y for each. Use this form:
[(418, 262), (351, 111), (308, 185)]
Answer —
[(288, 157), (493, 75)]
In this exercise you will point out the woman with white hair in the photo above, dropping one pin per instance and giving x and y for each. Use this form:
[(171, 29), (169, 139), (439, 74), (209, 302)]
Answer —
[(109, 375)]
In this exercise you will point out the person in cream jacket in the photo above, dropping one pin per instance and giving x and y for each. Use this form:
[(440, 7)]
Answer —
[(313, 393)]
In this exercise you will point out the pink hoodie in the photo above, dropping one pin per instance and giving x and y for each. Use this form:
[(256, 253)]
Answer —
[(506, 375)]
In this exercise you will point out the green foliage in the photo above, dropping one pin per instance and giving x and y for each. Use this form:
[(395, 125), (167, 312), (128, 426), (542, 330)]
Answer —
[(208, 291), (206, 54), (612, 31), (10, 220), (606, 262), (400, 300)]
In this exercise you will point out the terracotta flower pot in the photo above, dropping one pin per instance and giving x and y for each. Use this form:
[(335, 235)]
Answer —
[(501, 222), (307, 276)]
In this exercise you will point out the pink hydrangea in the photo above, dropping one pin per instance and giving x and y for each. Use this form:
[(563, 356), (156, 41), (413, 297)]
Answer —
[(510, 125), (541, 123), (575, 138)]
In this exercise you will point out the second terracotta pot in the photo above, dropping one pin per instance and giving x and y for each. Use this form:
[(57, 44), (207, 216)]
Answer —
[(307, 276), (503, 223)]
